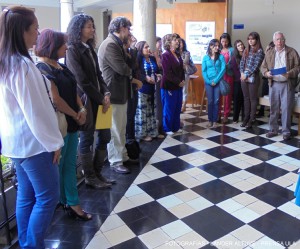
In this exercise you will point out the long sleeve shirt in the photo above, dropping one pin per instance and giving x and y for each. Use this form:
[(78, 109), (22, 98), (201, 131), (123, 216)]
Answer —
[(213, 71), (251, 64), (28, 124)]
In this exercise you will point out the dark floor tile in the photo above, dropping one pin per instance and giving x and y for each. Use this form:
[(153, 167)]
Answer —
[(180, 150), (219, 168), (162, 187), (192, 128), (196, 120), (295, 154), (157, 213), (142, 225), (267, 171), (216, 191), (259, 141), (262, 154), (212, 223), (272, 194), (221, 152), (225, 129), (256, 130), (279, 226), (134, 243), (172, 166), (131, 215), (187, 137), (222, 139)]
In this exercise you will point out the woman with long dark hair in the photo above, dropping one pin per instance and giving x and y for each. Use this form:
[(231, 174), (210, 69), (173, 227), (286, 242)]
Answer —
[(145, 118), (82, 60), (238, 98), (251, 61), (28, 129), (213, 69)]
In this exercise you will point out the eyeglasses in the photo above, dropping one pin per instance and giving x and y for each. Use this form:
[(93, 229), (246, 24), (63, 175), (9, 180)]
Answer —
[(280, 39)]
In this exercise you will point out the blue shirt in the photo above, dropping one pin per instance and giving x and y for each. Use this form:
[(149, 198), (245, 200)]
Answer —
[(213, 71)]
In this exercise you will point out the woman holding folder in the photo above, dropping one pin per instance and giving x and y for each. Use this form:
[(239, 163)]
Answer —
[(82, 60)]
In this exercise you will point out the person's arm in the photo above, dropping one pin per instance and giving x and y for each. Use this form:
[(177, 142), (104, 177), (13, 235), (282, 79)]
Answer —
[(75, 66), (31, 94), (222, 69), (204, 70)]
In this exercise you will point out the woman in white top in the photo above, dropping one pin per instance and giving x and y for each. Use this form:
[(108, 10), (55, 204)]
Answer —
[(28, 129)]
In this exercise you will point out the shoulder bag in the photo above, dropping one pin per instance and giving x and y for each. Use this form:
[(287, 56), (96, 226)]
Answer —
[(191, 68)]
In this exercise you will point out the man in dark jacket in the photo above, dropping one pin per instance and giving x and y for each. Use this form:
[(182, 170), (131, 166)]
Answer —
[(117, 75)]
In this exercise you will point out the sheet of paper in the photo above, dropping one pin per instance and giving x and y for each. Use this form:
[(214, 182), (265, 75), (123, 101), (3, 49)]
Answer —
[(278, 71), (104, 120)]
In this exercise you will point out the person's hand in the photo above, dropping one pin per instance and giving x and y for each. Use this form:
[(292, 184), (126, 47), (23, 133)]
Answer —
[(213, 83), (133, 41), (269, 75), (105, 103), (181, 84), (159, 76), (57, 156), (243, 77), (81, 118), (137, 82), (150, 80)]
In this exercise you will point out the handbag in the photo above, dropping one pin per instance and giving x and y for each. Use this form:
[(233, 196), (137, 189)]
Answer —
[(190, 68), (61, 117), (224, 87)]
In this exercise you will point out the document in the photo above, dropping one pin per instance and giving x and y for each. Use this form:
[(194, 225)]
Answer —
[(104, 120), (278, 71)]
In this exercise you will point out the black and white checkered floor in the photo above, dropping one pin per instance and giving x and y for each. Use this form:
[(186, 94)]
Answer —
[(226, 187)]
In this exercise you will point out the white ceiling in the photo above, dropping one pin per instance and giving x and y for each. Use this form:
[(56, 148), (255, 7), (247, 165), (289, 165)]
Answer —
[(56, 3)]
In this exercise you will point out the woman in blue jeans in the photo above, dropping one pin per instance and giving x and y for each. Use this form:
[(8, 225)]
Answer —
[(213, 69), (28, 129)]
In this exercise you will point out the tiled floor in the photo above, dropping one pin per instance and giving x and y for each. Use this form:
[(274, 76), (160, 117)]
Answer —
[(226, 187)]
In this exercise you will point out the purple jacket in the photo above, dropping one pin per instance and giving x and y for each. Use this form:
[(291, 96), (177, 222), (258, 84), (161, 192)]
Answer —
[(173, 72)]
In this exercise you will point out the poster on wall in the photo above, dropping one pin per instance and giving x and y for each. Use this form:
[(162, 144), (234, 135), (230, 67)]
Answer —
[(198, 36)]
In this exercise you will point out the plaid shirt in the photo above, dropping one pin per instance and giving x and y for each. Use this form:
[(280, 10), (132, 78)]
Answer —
[(251, 64)]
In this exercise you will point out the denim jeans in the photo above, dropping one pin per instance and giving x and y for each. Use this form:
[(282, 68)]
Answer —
[(37, 197), (213, 97), (87, 140)]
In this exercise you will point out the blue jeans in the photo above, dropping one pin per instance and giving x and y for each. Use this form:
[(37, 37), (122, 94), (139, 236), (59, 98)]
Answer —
[(213, 97), (87, 140), (67, 170), (37, 197)]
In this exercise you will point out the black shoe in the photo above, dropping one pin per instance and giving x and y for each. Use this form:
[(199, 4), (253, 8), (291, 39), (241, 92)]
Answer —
[(121, 169), (94, 182), (106, 180), (249, 125), (286, 137), (131, 162), (71, 212)]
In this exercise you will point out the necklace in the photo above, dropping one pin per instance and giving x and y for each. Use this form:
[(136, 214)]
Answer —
[(146, 67)]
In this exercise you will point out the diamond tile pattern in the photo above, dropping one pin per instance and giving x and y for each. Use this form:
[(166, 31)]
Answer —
[(226, 187)]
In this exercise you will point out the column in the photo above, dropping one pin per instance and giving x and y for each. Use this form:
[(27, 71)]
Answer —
[(66, 13), (144, 21)]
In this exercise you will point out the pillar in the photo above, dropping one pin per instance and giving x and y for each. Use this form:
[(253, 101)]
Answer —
[(144, 21), (66, 13)]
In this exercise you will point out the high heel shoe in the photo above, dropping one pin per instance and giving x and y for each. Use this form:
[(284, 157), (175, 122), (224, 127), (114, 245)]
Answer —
[(72, 213)]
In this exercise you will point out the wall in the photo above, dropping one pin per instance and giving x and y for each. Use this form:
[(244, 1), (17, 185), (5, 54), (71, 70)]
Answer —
[(265, 18)]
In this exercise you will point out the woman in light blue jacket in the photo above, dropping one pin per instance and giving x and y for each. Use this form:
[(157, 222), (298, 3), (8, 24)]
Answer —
[(213, 69)]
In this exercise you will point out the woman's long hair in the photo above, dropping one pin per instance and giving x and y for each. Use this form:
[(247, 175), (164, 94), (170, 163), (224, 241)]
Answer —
[(225, 36), (74, 30), (236, 53), (257, 46), (213, 42), (14, 21)]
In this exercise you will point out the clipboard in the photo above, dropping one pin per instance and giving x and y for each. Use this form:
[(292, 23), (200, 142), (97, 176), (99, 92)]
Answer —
[(278, 71), (104, 120)]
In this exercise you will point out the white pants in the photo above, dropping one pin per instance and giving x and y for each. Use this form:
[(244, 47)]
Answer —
[(117, 152)]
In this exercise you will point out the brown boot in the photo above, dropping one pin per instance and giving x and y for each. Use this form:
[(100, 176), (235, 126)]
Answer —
[(99, 159), (89, 173)]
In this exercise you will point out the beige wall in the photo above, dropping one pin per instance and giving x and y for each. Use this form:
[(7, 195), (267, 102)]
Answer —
[(261, 16)]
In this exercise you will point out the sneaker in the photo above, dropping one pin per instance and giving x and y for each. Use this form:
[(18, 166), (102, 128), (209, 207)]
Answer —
[(209, 125), (180, 131), (215, 125), (170, 133), (271, 134)]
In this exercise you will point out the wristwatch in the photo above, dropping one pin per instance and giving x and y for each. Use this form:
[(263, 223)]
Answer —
[(130, 77)]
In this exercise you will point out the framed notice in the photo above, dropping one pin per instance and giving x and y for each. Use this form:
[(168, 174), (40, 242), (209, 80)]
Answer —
[(198, 36)]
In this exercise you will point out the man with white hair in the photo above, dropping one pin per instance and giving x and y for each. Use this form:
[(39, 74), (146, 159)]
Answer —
[(281, 66)]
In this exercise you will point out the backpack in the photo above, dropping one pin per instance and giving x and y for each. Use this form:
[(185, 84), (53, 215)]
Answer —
[(133, 149)]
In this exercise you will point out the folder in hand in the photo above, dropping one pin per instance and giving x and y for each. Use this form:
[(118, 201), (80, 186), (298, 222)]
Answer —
[(104, 120), (278, 71)]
